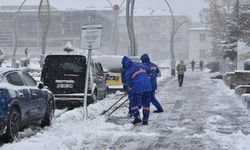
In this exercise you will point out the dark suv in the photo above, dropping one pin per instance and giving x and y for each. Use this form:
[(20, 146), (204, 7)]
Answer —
[(22, 102), (65, 75)]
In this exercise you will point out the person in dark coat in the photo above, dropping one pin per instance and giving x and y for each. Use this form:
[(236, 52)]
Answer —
[(2, 56), (201, 65), (181, 69), (153, 79), (192, 64), (138, 83)]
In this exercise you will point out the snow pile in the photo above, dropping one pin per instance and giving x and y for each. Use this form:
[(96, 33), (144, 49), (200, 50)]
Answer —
[(237, 141), (69, 131)]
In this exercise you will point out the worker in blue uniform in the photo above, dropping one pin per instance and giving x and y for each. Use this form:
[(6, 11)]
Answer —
[(125, 86), (153, 79), (139, 85)]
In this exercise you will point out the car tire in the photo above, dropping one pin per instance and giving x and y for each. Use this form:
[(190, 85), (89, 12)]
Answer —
[(13, 125), (49, 113), (93, 97)]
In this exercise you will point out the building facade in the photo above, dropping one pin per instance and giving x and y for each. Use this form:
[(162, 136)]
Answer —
[(200, 46), (64, 26), (153, 36), (152, 31)]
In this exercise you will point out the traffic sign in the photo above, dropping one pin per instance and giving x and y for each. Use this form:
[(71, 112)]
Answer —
[(116, 7), (91, 36)]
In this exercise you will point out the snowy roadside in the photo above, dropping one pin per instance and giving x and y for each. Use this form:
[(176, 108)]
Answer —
[(69, 131), (203, 114)]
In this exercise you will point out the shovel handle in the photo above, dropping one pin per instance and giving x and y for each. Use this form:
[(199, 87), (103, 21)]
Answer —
[(117, 107), (114, 104)]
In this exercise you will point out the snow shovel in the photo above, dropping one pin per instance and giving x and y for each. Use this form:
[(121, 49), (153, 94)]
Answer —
[(117, 107), (105, 111)]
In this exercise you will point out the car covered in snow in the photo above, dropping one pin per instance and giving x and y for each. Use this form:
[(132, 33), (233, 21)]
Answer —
[(65, 76), (112, 69), (22, 102)]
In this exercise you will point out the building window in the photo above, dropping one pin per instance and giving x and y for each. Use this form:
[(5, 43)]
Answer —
[(202, 37)]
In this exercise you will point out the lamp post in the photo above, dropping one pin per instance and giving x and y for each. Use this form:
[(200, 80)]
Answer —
[(13, 63), (174, 30), (115, 35), (44, 22), (172, 56)]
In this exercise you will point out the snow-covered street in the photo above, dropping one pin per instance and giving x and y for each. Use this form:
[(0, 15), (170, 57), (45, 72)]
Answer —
[(203, 114)]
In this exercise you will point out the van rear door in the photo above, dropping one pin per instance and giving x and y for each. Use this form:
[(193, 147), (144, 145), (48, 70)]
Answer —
[(64, 74)]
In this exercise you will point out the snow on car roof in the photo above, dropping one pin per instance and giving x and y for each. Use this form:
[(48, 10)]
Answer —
[(110, 62), (113, 62), (3, 69)]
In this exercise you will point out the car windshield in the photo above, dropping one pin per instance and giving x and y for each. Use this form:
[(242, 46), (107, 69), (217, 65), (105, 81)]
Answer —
[(65, 64), (135, 59), (111, 63)]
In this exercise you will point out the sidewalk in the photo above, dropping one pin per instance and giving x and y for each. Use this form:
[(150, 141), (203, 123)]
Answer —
[(203, 114)]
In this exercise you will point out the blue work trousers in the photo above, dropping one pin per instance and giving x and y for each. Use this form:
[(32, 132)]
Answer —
[(137, 100), (155, 102)]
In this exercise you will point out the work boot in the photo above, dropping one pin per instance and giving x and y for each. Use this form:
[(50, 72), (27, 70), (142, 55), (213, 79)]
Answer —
[(145, 123), (130, 115), (158, 111), (136, 121)]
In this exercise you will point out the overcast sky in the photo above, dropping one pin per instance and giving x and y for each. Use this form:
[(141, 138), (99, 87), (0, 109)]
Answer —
[(188, 7)]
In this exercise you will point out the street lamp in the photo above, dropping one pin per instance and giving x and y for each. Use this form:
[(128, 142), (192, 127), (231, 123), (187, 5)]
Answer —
[(115, 35), (174, 30), (44, 22), (13, 63), (172, 56)]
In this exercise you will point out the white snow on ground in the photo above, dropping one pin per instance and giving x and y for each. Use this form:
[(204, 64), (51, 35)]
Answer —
[(203, 114), (69, 131)]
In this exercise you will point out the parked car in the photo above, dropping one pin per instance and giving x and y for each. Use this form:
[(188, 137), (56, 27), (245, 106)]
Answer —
[(112, 69), (22, 102), (65, 76)]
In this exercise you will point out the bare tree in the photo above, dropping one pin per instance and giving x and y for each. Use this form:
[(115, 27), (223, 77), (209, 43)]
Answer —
[(215, 16)]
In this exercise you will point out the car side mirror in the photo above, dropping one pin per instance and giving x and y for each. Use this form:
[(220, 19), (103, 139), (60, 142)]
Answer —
[(97, 81), (40, 86), (107, 77)]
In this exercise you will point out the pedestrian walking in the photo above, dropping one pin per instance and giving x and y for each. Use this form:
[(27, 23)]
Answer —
[(2, 56), (201, 65), (181, 69), (153, 79), (26, 60), (192, 64), (139, 85)]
